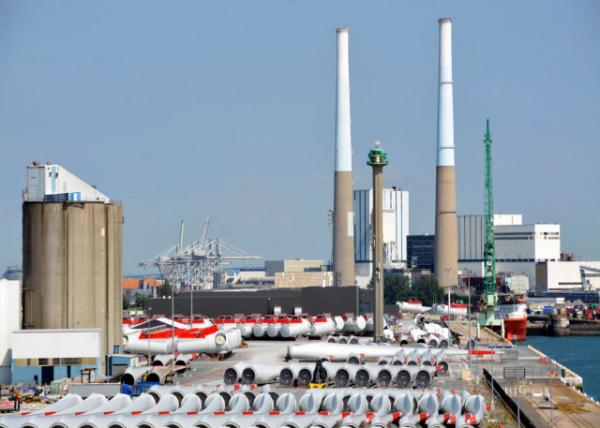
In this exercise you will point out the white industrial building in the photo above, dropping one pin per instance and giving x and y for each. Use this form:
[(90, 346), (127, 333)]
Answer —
[(568, 276), (54, 183), (10, 321), (519, 247), (395, 231), (42, 356)]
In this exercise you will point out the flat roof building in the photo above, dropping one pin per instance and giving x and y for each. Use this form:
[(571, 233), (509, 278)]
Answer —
[(421, 252), (518, 246), (42, 356), (293, 265), (395, 231)]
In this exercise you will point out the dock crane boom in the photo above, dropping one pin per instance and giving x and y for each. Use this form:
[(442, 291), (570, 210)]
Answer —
[(487, 317), (585, 282)]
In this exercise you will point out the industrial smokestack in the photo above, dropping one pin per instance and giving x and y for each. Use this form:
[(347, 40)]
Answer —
[(445, 207), (343, 215)]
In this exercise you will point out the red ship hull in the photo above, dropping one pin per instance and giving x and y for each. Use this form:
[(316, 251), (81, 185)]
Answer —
[(515, 329)]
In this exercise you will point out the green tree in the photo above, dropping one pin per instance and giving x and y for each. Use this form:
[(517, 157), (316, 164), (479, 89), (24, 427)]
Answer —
[(140, 300), (166, 289), (395, 287), (427, 290)]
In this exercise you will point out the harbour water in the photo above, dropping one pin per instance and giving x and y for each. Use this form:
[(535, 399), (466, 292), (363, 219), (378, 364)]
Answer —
[(579, 353)]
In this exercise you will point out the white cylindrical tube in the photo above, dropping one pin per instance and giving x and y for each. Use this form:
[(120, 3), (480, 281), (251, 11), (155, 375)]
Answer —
[(260, 373), (119, 401), (296, 372), (259, 329), (273, 329), (214, 403), (143, 402), (239, 403), (191, 403), (300, 327), (94, 401), (322, 326), (475, 405), (150, 346), (225, 340), (162, 359), (339, 323), (339, 352), (158, 374), (233, 374), (133, 374), (167, 403), (429, 403)]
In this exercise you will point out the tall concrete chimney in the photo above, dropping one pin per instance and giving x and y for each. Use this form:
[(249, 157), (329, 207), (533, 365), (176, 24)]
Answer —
[(343, 215), (446, 246)]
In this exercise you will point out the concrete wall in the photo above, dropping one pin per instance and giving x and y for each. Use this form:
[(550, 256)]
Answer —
[(313, 300), (73, 343), (66, 351), (471, 233), (72, 267), (303, 279), (526, 268), (532, 242), (10, 320), (28, 374)]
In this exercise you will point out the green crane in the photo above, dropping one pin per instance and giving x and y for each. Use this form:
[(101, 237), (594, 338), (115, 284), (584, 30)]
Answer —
[(487, 317)]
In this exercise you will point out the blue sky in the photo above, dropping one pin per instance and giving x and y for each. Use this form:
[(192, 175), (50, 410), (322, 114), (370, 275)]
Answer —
[(181, 108)]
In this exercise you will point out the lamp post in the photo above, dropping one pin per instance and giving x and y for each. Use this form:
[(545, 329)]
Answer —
[(191, 305), (448, 271), (377, 160), (173, 323)]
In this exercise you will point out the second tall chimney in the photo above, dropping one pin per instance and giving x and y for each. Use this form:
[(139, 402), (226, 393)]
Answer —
[(446, 246), (343, 215)]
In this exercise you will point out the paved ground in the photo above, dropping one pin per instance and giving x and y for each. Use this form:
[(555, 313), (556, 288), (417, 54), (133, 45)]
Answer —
[(212, 371), (557, 405), (569, 409)]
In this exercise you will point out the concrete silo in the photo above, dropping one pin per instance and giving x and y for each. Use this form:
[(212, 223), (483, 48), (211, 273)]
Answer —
[(72, 255)]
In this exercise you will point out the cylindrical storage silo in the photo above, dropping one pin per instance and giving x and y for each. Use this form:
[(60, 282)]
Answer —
[(72, 267)]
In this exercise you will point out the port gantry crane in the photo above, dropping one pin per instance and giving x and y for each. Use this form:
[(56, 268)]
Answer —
[(198, 265), (487, 316)]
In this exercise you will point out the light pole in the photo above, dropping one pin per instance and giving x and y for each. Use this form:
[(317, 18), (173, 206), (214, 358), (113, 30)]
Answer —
[(518, 407), (469, 273), (492, 374), (191, 305), (377, 160), (448, 270), (173, 324)]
